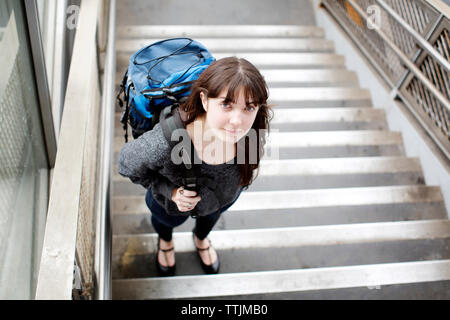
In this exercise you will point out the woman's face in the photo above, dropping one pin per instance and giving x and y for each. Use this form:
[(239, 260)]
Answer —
[(229, 121)]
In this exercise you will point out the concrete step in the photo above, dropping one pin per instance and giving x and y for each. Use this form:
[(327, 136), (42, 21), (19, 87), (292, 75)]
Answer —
[(328, 119), (285, 60), (313, 119), (329, 144), (313, 237), (297, 248), (269, 283), (139, 223), (288, 237), (224, 45), (290, 200), (300, 208), (431, 290), (291, 145), (310, 78), (322, 144), (295, 174), (319, 97), (316, 97), (299, 78), (218, 31), (292, 248)]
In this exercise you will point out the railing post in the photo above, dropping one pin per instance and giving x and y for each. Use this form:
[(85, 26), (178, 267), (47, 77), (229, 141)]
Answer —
[(104, 202)]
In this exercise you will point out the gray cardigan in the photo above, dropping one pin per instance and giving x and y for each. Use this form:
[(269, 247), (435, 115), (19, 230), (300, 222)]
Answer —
[(147, 161)]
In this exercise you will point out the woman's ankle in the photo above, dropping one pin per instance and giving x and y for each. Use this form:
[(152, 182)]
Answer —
[(166, 254), (164, 244)]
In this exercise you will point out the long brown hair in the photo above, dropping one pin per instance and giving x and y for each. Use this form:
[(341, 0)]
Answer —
[(234, 74)]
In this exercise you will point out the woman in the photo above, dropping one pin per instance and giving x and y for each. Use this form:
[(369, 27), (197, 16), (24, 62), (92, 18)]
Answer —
[(227, 102)]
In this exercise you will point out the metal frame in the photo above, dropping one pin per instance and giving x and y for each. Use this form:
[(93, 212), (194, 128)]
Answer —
[(428, 33), (423, 43), (104, 200), (410, 64), (59, 63), (380, 71), (40, 73), (406, 97), (440, 6)]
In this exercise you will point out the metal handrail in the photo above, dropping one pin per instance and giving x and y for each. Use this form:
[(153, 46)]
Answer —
[(104, 233), (407, 53), (423, 43), (412, 67), (56, 270), (440, 6)]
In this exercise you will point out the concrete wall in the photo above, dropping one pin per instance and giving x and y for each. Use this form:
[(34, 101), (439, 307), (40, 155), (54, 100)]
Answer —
[(417, 143)]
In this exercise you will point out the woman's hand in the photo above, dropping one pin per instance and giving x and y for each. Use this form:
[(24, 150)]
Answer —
[(186, 200)]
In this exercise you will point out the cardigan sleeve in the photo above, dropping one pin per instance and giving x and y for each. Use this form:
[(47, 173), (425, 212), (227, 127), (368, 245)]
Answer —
[(142, 158)]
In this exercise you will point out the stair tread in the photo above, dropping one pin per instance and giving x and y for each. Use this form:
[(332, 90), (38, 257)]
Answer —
[(291, 199), (304, 115), (195, 31), (264, 282), (286, 58), (320, 139), (337, 196), (310, 77), (261, 60), (333, 138), (330, 166), (327, 114), (293, 236), (243, 44), (318, 94)]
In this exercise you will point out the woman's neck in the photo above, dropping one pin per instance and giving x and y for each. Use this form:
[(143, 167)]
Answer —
[(209, 148)]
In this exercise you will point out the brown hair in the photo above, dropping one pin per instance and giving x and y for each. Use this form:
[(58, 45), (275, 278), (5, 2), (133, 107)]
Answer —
[(233, 74)]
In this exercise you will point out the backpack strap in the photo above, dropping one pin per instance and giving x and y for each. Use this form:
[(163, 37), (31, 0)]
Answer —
[(170, 121), (126, 96)]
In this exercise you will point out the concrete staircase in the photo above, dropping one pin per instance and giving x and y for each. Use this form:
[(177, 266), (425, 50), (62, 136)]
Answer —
[(342, 214)]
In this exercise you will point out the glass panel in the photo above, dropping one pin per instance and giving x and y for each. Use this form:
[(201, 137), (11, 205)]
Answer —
[(23, 162)]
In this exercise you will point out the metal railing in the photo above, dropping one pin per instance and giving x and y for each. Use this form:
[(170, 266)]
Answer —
[(104, 229), (408, 43), (75, 255)]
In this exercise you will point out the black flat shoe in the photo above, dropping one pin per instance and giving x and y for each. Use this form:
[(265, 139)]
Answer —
[(212, 268), (164, 271)]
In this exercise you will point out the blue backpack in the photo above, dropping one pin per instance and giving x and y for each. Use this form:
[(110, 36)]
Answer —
[(159, 75)]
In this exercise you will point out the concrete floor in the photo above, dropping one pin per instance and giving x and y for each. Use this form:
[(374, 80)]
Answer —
[(216, 12)]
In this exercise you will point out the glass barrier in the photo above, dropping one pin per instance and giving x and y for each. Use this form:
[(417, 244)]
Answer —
[(24, 174)]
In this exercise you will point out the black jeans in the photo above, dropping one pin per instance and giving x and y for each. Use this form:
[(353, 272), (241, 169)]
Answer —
[(164, 223)]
